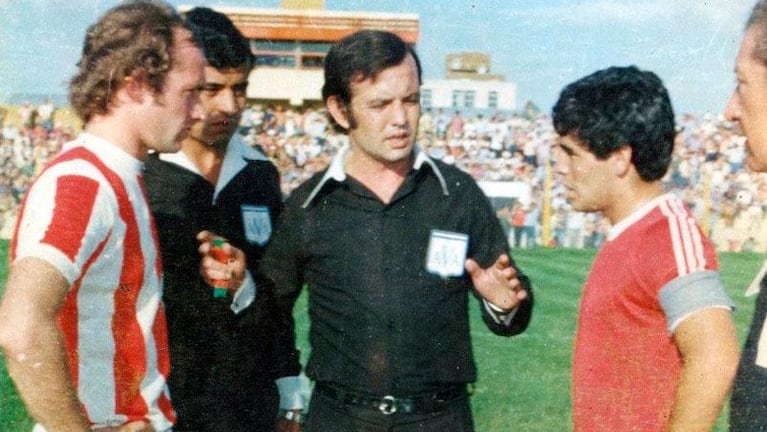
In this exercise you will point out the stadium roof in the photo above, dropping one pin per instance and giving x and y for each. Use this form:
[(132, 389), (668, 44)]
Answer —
[(316, 24)]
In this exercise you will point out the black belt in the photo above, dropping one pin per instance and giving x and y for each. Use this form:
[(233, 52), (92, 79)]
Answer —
[(421, 404)]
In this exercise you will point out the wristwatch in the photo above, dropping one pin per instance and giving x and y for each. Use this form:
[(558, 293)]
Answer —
[(292, 415)]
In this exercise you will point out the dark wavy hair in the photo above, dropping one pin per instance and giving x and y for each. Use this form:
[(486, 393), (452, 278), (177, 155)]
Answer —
[(360, 56), (136, 36), (222, 43), (616, 107)]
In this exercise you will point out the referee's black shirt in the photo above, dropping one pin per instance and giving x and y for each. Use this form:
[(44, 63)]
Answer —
[(380, 322)]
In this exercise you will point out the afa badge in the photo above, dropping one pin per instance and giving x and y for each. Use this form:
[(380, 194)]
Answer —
[(447, 253), (257, 224)]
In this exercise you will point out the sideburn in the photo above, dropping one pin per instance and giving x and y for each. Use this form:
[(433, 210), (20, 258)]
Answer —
[(350, 116)]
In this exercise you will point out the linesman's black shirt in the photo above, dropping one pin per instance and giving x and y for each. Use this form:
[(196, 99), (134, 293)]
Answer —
[(220, 359)]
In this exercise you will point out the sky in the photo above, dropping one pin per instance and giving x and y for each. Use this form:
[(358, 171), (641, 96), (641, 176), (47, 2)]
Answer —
[(542, 45)]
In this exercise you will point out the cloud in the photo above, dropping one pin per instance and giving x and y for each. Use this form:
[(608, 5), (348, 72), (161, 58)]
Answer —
[(718, 13), (724, 13)]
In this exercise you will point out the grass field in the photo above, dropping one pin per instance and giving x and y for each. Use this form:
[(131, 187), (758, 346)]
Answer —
[(524, 382)]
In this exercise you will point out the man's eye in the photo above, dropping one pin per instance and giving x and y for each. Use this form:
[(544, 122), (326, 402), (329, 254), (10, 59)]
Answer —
[(239, 90), (413, 100)]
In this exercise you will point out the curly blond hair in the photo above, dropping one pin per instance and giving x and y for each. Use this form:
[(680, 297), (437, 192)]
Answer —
[(134, 37)]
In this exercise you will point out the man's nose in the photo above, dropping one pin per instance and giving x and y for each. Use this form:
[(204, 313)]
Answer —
[(732, 110)]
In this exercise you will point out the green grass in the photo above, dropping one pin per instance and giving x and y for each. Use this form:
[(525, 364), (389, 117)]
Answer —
[(13, 416), (524, 381)]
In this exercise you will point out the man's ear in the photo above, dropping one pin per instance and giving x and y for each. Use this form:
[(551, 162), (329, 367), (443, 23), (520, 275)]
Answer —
[(135, 87), (339, 112), (622, 159)]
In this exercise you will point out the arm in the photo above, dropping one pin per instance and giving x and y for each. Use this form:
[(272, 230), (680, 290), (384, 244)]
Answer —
[(286, 367), (292, 390), (506, 292), (285, 364), (34, 347), (708, 344), (281, 355), (237, 273), (280, 278)]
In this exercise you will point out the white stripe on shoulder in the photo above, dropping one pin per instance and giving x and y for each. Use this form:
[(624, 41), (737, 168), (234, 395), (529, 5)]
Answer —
[(673, 227), (686, 240), (695, 255), (697, 238)]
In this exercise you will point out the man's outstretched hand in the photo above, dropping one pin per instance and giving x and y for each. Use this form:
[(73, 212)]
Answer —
[(498, 283)]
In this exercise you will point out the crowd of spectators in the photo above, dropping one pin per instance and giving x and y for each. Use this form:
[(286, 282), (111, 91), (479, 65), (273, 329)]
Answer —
[(28, 139), (707, 171)]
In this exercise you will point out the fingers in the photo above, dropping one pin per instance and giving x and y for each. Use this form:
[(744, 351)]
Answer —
[(509, 297), (215, 269), (498, 283), (206, 239), (207, 236), (135, 426), (500, 269), (472, 268), (223, 264), (521, 294), (284, 425), (503, 261), (204, 236)]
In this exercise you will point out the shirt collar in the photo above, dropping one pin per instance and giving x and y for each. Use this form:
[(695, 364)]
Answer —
[(238, 154), (637, 215), (336, 171), (113, 156), (181, 159)]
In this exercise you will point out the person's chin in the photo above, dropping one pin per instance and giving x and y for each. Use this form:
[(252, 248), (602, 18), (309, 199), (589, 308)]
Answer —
[(570, 195), (755, 164), (170, 147), (215, 135), (400, 153), (174, 145), (220, 129)]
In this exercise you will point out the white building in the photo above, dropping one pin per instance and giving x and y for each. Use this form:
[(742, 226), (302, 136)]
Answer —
[(469, 86), (468, 95)]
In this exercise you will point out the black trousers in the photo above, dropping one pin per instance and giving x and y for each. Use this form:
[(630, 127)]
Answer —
[(329, 415)]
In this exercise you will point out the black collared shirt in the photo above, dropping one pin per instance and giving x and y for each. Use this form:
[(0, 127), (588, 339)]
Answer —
[(223, 364), (748, 406), (380, 322)]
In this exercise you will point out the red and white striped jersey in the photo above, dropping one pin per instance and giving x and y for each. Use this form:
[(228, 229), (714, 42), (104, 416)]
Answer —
[(87, 215)]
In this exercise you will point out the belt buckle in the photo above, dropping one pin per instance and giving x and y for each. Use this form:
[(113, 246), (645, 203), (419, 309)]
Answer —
[(388, 405)]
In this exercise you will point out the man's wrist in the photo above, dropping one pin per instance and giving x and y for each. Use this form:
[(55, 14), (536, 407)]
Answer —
[(295, 415), (499, 310)]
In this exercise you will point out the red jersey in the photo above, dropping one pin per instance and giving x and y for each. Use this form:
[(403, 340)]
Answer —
[(626, 365)]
